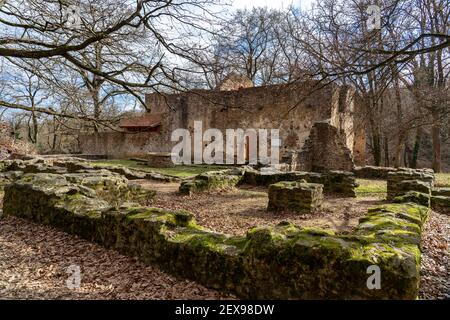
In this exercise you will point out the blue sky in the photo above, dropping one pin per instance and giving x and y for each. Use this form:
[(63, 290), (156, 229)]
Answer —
[(274, 4)]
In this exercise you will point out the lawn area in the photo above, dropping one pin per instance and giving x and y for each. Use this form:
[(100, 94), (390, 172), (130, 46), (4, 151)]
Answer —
[(379, 187), (442, 180), (366, 187), (178, 171), (371, 188)]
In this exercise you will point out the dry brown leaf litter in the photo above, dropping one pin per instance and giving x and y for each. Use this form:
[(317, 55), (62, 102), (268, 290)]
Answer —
[(34, 261), (235, 211), (435, 273)]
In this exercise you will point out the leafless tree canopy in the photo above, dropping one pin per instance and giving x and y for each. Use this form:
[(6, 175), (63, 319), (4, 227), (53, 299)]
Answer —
[(76, 65)]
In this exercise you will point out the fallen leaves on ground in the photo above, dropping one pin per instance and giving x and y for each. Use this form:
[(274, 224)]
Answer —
[(34, 260), (234, 211), (435, 271)]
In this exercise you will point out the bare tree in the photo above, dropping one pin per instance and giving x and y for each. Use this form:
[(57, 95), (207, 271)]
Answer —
[(98, 43)]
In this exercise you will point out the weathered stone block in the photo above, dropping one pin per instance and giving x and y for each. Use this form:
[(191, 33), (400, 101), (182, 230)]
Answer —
[(212, 180), (441, 204), (413, 185), (402, 181), (372, 172), (299, 196), (9, 177), (441, 192), (159, 159), (416, 197), (340, 182)]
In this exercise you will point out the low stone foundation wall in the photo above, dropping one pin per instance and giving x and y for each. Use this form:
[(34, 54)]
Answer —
[(441, 204), (159, 160), (373, 172), (444, 192), (72, 165), (281, 262), (299, 196), (338, 182), (334, 182), (212, 180), (402, 181)]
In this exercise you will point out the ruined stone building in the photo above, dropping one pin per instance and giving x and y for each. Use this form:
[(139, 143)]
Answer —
[(293, 109)]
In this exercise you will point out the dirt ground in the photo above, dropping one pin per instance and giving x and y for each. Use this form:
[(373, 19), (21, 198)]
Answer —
[(235, 211), (435, 268), (35, 262)]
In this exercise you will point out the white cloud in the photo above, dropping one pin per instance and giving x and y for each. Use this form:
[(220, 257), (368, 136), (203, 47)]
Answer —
[(273, 4)]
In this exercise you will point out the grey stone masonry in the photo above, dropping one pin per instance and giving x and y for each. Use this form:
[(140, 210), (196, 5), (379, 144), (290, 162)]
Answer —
[(160, 160), (325, 150), (445, 192), (402, 181), (298, 196)]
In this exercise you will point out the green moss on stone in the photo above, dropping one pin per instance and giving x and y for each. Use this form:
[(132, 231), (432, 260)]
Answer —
[(283, 261)]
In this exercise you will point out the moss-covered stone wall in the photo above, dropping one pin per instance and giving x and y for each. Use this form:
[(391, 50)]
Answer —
[(281, 262), (74, 165), (338, 182), (212, 180), (402, 181)]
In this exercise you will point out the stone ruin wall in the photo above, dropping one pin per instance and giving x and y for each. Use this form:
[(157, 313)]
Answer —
[(325, 150), (123, 145), (293, 109)]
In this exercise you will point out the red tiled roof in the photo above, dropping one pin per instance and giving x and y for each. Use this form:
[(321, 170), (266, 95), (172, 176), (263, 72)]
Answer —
[(147, 120)]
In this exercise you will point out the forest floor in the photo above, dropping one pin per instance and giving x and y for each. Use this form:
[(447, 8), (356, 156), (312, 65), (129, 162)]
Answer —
[(36, 261)]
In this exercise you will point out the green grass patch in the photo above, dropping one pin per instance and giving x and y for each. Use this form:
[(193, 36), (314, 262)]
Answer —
[(442, 180), (178, 171), (371, 188)]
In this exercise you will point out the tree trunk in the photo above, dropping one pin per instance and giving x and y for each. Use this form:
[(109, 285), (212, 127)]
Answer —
[(35, 127), (436, 137), (386, 152), (401, 135), (416, 149), (398, 150), (376, 149)]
